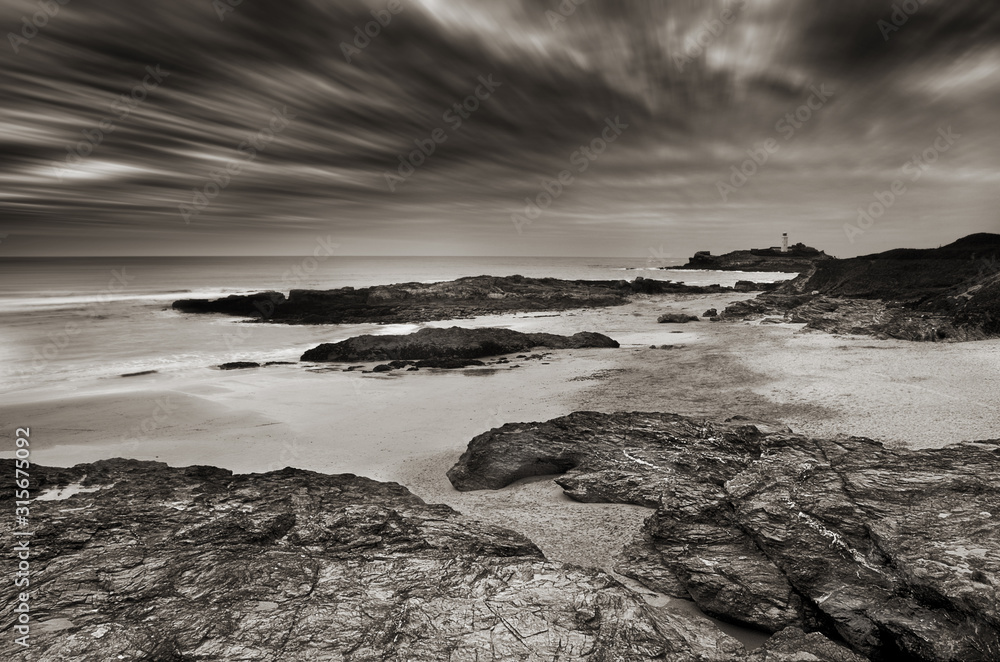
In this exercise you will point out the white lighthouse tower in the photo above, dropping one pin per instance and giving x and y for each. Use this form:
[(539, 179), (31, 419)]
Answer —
[(784, 242)]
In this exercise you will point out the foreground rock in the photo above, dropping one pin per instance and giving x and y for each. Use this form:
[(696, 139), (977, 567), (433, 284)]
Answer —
[(897, 552), (160, 563), (434, 344), (424, 302), (799, 258), (950, 293)]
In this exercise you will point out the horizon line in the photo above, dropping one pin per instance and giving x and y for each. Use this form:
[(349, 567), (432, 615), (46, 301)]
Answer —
[(539, 257)]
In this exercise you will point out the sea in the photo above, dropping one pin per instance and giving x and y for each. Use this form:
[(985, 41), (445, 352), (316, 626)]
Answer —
[(65, 321)]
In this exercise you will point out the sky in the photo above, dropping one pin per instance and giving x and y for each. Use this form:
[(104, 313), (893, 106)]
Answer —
[(580, 127)]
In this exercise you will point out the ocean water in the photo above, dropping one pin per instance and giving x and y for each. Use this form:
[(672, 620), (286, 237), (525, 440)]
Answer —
[(64, 321)]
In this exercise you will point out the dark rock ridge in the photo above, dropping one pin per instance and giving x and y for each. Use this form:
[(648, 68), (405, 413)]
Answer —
[(799, 258), (450, 343), (196, 563), (950, 293), (676, 318), (238, 365), (424, 302), (896, 552)]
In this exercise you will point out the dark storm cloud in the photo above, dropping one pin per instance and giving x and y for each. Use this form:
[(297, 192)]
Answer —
[(692, 111)]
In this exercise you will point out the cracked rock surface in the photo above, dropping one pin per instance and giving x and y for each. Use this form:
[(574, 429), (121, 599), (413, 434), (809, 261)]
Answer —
[(147, 562), (895, 552)]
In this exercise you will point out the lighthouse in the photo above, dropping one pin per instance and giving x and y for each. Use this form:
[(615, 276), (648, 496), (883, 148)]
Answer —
[(784, 242)]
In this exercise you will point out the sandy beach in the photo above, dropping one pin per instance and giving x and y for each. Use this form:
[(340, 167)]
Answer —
[(410, 427)]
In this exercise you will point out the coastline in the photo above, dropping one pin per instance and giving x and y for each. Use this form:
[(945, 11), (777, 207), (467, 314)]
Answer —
[(411, 427)]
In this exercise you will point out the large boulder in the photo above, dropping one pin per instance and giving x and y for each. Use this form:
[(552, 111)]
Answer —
[(894, 551)]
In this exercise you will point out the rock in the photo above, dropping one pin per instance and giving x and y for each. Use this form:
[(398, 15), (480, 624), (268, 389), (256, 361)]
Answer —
[(872, 317), (382, 368), (799, 258), (676, 318), (951, 293), (794, 645), (422, 302), (896, 552), (711, 312), (262, 304), (238, 365), (451, 343), (195, 563)]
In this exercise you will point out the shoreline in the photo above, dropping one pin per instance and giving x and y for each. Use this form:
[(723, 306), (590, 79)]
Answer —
[(899, 392), (410, 428)]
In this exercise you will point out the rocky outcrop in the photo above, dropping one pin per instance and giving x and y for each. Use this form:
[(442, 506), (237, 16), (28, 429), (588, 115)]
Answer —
[(676, 318), (238, 365), (799, 258), (896, 552), (950, 293), (242, 305), (156, 563), (450, 343), (424, 302)]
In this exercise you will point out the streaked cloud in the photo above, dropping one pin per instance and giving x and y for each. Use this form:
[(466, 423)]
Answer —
[(325, 172)]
